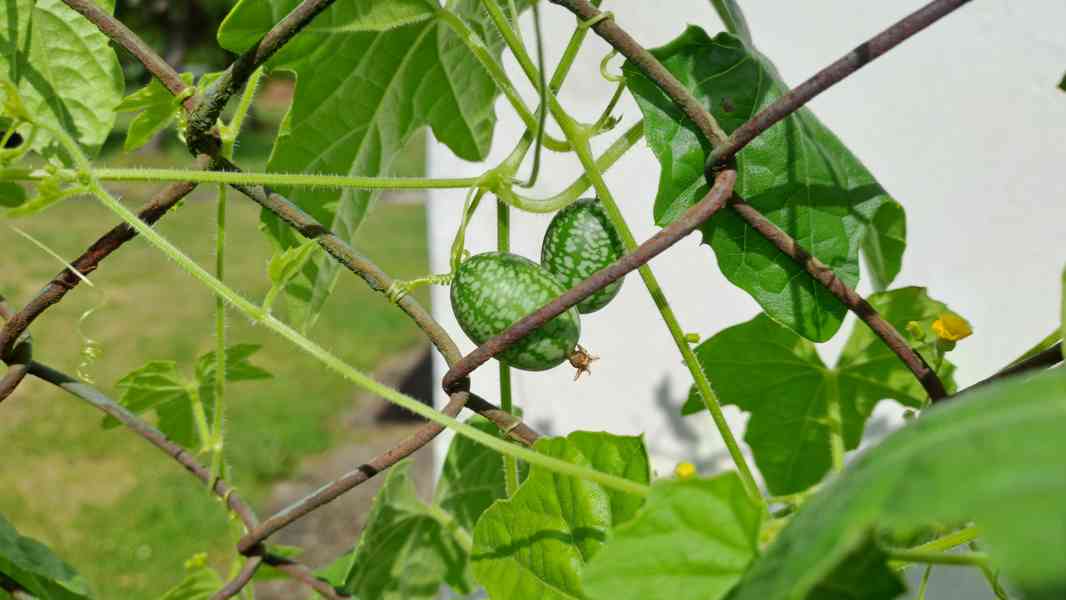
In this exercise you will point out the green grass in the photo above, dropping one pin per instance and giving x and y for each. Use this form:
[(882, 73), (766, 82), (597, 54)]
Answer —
[(121, 512)]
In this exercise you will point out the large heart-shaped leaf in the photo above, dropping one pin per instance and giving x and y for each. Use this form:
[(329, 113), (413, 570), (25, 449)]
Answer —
[(692, 540), (66, 71), (404, 552), (797, 173), (993, 456), (369, 75), (471, 478), (535, 545), (35, 569), (766, 369)]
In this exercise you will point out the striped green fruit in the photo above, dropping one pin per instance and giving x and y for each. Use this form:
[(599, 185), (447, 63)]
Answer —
[(491, 291), (580, 241)]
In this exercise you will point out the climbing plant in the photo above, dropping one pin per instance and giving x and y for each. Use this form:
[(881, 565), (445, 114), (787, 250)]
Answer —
[(792, 216)]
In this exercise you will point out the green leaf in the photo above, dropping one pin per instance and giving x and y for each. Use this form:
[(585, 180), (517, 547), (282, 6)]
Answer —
[(884, 243), (1062, 84), (50, 191), (1063, 335), (158, 109), (992, 455), (692, 540), (535, 545), (769, 371), (862, 575), (36, 569), (471, 478), (797, 174), (11, 194), (238, 367), (157, 382), (404, 552), (66, 71), (284, 266), (200, 583), (369, 75)]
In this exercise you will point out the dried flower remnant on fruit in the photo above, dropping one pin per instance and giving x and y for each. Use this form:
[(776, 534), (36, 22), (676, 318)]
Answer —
[(685, 470), (951, 328), (580, 360)]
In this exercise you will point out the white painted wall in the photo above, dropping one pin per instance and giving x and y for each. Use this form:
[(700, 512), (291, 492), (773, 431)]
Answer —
[(962, 124)]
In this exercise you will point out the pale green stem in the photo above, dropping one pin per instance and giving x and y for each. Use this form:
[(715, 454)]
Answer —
[(260, 316), (461, 535), (218, 435), (503, 244), (836, 421), (246, 178), (199, 416), (969, 559), (573, 192), (229, 137), (499, 77), (942, 544), (578, 137), (925, 582)]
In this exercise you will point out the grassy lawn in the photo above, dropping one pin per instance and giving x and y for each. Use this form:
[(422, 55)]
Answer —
[(121, 512)]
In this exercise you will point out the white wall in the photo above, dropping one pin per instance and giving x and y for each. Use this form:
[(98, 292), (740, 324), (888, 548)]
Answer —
[(962, 124)]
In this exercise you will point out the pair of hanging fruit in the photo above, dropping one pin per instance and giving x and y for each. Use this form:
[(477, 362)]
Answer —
[(490, 291)]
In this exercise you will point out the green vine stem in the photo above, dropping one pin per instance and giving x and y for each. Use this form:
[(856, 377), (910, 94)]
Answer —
[(572, 192), (246, 178), (503, 244), (499, 77), (229, 133), (258, 315), (968, 559)]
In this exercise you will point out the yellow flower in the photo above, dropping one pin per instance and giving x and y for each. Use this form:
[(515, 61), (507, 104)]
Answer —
[(951, 328), (685, 470)]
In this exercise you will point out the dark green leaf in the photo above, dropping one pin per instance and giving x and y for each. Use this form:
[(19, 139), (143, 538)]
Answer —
[(692, 540), (767, 370), (35, 569), (862, 575), (471, 478), (535, 545), (11, 194), (1062, 84), (992, 455), (369, 75), (158, 108), (404, 552), (884, 243), (67, 73), (797, 173)]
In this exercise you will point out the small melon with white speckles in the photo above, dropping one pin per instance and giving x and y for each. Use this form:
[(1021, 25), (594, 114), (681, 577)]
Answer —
[(491, 291), (580, 241)]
